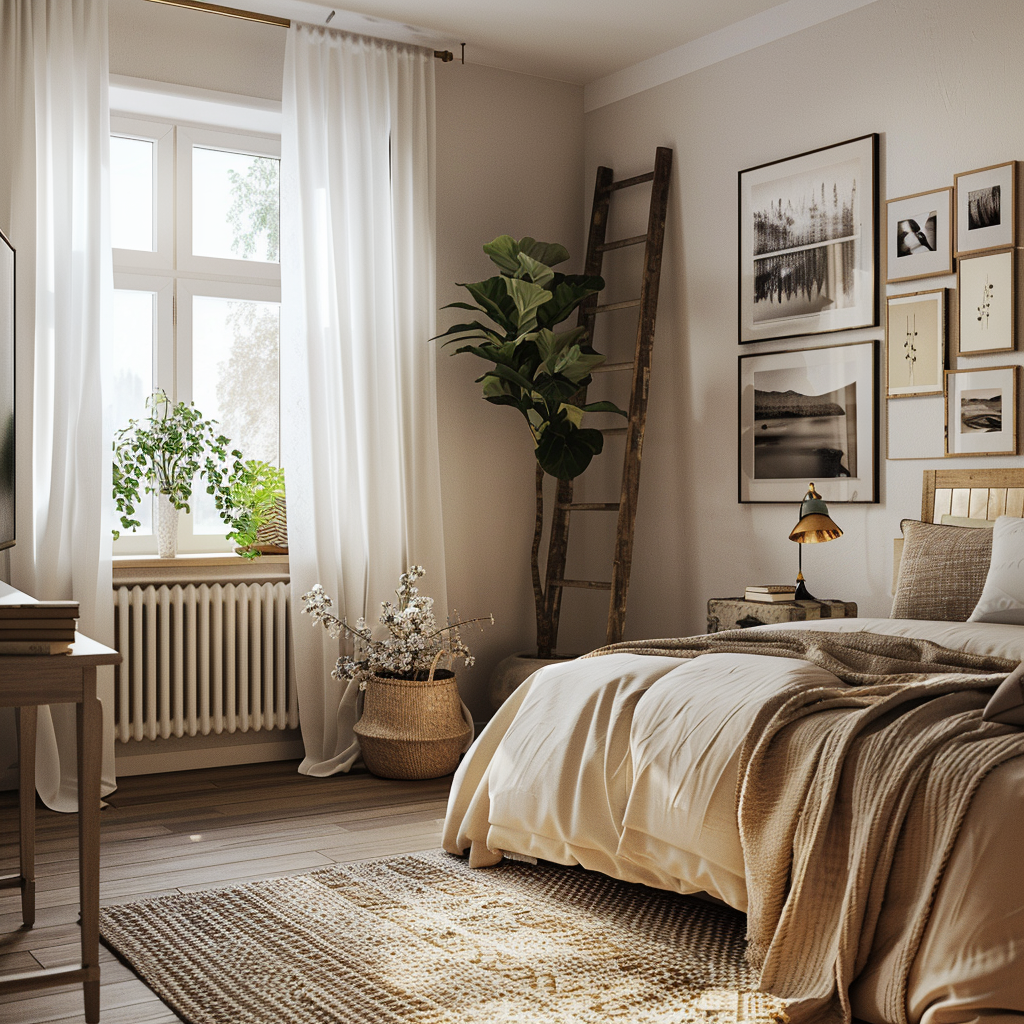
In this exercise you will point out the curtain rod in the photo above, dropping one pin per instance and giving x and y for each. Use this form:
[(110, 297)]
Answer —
[(265, 19)]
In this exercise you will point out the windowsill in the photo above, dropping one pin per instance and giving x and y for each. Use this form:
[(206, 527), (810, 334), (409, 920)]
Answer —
[(213, 567)]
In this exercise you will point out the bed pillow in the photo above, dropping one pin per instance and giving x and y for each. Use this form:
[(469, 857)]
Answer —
[(1002, 599), (942, 572)]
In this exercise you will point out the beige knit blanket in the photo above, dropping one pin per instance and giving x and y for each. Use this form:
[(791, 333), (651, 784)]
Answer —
[(851, 794)]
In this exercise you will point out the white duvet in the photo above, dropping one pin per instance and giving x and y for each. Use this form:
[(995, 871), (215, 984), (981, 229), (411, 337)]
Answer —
[(627, 764)]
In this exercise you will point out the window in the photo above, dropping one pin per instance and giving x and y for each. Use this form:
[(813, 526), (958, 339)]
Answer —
[(197, 278)]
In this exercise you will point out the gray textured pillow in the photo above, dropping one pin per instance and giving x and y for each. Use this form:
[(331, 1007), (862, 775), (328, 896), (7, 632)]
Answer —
[(1002, 600), (942, 572)]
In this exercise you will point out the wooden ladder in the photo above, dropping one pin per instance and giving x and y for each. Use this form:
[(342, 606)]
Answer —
[(555, 581)]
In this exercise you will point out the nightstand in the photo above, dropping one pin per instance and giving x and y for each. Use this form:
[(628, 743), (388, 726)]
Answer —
[(735, 613)]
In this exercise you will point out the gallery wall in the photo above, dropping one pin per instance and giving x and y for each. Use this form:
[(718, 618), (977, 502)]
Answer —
[(939, 81), (509, 160)]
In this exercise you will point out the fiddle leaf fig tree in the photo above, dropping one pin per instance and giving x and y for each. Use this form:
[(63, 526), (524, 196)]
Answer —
[(164, 452), (536, 370)]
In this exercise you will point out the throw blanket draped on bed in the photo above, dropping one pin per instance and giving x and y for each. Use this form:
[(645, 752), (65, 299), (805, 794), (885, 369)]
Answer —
[(847, 790)]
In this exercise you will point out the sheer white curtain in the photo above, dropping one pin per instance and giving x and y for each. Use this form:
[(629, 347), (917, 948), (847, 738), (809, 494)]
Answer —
[(359, 425), (54, 146)]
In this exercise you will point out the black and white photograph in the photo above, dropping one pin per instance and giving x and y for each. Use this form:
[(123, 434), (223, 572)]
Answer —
[(985, 293), (808, 415), (981, 411), (919, 235), (807, 243), (985, 216)]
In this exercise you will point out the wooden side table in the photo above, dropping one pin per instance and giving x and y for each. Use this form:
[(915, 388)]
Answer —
[(735, 613), (25, 684)]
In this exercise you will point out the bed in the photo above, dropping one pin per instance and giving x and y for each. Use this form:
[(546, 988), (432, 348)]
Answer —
[(674, 764)]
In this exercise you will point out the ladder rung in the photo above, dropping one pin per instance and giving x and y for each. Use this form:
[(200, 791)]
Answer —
[(608, 367), (630, 182), (609, 306), (613, 431), (582, 584), (589, 506), (622, 243)]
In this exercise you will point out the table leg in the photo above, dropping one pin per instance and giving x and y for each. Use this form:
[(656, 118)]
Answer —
[(26, 720), (90, 729)]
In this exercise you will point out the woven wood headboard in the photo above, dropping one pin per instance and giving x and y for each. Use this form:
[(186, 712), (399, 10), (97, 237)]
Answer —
[(972, 493), (966, 494)]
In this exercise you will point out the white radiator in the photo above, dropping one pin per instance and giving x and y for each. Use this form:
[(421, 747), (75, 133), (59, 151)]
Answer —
[(203, 659)]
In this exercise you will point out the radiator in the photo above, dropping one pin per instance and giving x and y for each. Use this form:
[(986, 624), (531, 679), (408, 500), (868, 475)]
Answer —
[(202, 659)]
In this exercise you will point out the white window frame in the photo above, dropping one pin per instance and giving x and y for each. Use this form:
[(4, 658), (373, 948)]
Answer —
[(205, 138), (162, 137), (176, 275)]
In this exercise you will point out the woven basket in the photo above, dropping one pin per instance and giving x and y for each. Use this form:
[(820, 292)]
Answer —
[(412, 728)]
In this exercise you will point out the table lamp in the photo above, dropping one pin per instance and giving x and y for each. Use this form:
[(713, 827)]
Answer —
[(814, 527)]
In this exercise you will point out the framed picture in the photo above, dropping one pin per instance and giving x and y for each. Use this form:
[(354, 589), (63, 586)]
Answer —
[(985, 297), (915, 343), (919, 235), (985, 213), (809, 415), (981, 411), (808, 243)]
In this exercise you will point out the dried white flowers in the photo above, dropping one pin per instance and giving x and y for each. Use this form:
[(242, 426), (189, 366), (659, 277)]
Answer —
[(414, 639)]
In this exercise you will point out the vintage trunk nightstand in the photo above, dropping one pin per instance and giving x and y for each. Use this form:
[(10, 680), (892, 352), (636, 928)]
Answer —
[(735, 613)]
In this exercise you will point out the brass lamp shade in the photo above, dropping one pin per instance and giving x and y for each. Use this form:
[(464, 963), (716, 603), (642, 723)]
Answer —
[(815, 527)]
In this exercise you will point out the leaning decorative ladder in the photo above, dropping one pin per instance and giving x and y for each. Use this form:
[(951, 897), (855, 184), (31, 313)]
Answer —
[(647, 304)]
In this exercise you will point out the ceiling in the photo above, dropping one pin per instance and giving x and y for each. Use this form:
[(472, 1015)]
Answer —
[(569, 40)]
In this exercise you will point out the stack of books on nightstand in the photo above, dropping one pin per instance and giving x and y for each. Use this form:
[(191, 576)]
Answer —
[(770, 594), (37, 627)]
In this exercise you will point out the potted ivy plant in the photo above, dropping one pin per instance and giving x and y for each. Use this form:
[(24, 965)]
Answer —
[(540, 372), (257, 509), (162, 454)]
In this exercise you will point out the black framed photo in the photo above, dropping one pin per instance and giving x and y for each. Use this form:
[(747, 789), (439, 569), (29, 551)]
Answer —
[(808, 243), (809, 414), (919, 235), (986, 217)]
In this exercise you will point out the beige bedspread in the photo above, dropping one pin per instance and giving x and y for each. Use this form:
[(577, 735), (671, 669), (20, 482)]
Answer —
[(647, 753)]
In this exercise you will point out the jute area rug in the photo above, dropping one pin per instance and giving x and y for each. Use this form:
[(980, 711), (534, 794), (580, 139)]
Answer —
[(424, 938)]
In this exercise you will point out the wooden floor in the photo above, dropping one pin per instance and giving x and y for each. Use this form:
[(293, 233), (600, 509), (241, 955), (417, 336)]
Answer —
[(185, 831)]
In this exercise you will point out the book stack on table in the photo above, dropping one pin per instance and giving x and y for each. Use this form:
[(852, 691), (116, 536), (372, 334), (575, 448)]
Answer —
[(770, 594), (37, 627)]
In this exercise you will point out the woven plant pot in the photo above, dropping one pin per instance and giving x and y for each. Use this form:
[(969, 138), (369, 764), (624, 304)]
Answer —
[(412, 728)]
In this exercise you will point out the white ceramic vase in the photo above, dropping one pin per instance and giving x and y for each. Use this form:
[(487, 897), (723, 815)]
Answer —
[(166, 525)]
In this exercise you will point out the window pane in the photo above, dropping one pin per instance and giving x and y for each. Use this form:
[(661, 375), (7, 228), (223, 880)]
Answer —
[(235, 379), (132, 337), (235, 200), (131, 193)]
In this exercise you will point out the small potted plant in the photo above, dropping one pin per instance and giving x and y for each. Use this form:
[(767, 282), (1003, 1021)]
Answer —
[(255, 519), (412, 726), (162, 455)]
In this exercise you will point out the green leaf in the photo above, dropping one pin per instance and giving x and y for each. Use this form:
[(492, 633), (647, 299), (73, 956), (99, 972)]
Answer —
[(494, 299), (510, 375), (566, 294), (582, 366), (504, 251), (548, 253), (537, 272), (528, 298), (565, 451), (603, 407), (554, 390)]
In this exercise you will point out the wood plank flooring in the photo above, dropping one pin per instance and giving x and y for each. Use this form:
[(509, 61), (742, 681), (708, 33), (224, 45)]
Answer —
[(185, 831)]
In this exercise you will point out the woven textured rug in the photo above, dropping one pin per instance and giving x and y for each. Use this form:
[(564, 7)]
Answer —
[(424, 938)]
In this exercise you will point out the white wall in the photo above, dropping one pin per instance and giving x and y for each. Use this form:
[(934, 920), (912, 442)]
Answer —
[(940, 81), (509, 160)]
